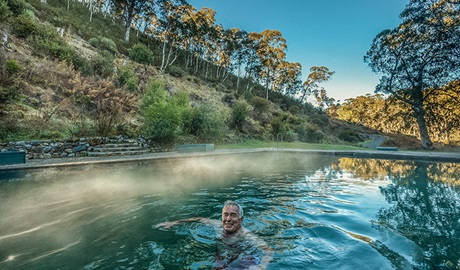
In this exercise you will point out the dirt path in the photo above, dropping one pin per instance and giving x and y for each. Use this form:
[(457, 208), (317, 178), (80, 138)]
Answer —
[(377, 140)]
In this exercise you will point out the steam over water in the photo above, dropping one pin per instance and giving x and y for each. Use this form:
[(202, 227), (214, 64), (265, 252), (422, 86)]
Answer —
[(315, 212)]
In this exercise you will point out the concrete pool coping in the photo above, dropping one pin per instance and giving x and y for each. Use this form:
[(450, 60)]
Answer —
[(374, 154)]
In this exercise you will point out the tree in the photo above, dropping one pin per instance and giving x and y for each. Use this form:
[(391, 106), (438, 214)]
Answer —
[(169, 28), (419, 55), (128, 9), (271, 49), (318, 74)]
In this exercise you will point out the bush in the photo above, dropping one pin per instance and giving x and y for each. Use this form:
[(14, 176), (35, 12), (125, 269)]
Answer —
[(291, 136), (163, 116), (127, 78), (310, 133), (8, 95), (239, 114), (5, 11), (350, 135), (103, 64), (12, 67), (229, 99), (141, 54), (206, 122), (18, 6), (176, 72), (47, 41), (260, 105), (25, 24), (104, 44)]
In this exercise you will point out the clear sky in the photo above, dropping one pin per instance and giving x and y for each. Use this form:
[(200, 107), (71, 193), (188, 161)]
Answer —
[(332, 33)]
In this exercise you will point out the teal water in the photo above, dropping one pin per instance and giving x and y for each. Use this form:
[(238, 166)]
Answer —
[(315, 212)]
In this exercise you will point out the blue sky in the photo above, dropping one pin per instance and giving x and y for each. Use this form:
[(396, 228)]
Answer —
[(332, 33)]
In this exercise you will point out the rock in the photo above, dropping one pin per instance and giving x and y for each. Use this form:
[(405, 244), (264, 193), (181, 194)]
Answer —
[(79, 148)]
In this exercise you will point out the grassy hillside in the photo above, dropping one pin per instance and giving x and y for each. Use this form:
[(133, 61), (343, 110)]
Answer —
[(89, 82)]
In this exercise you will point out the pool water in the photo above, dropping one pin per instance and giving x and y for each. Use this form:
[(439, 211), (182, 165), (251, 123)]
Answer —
[(315, 212)]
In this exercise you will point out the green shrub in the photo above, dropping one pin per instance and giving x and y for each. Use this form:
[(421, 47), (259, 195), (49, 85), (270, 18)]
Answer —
[(5, 11), (239, 114), (229, 99), (163, 116), (176, 72), (25, 24), (8, 95), (18, 6), (260, 105), (103, 43), (103, 64), (127, 78), (206, 122), (279, 125), (12, 67), (290, 136), (350, 135), (141, 54), (310, 133)]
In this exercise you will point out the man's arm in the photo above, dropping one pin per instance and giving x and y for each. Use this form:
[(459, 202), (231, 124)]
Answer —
[(262, 246), (169, 224)]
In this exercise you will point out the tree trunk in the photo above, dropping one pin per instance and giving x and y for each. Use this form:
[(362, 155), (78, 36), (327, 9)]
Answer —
[(423, 130)]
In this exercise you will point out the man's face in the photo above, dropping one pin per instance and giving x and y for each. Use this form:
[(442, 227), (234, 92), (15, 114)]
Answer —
[(230, 219)]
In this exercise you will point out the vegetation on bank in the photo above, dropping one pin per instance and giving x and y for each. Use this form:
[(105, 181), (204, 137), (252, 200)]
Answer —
[(70, 69)]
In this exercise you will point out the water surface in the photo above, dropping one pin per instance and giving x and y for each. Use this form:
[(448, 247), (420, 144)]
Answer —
[(315, 212)]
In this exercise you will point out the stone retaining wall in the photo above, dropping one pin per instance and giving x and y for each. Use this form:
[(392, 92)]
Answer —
[(66, 148)]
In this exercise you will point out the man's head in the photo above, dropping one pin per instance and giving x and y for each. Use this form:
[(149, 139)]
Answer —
[(232, 216)]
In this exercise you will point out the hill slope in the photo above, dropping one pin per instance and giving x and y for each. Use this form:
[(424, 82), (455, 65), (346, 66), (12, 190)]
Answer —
[(65, 86)]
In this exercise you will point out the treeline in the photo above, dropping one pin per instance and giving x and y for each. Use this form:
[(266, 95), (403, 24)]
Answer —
[(391, 115), (192, 39)]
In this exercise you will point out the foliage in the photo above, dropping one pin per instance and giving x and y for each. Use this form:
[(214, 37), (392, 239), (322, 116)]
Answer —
[(176, 71), (18, 6), (207, 123), (260, 105), (350, 135), (310, 133), (8, 95), (102, 64), (5, 11), (102, 102), (12, 67), (141, 54), (164, 116), (127, 78), (419, 55), (239, 114), (104, 44), (25, 24)]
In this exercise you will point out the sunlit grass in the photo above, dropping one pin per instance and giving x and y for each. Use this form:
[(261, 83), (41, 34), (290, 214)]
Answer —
[(293, 145)]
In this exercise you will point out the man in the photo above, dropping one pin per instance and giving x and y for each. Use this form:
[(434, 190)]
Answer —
[(237, 247)]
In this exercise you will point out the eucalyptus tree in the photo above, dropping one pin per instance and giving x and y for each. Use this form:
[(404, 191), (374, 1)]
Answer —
[(128, 9), (271, 49), (239, 49), (318, 74), (201, 33), (289, 79), (421, 54), (169, 28), (444, 113)]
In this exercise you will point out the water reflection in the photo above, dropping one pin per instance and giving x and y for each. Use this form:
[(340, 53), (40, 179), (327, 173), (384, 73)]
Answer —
[(425, 204)]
